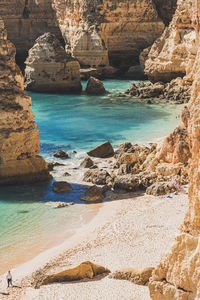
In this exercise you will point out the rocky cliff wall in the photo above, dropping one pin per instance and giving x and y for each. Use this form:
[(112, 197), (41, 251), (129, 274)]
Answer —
[(165, 9), (178, 275), (19, 138), (50, 69), (171, 54), (25, 21), (102, 32)]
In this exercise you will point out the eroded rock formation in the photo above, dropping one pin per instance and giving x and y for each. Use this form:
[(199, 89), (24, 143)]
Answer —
[(165, 9), (178, 274), (50, 69), (172, 53), (19, 138), (25, 21), (103, 33)]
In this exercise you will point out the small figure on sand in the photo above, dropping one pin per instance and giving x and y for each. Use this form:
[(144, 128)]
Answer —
[(9, 279)]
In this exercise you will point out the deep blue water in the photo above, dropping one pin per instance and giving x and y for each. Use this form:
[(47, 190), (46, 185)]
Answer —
[(71, 122)]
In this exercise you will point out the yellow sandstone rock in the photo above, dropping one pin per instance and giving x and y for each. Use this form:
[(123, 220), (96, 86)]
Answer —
[(137, 276), (84, 270), (19, 138), (177, 277)]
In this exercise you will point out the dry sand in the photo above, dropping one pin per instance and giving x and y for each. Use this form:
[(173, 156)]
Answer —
[(131, 232)]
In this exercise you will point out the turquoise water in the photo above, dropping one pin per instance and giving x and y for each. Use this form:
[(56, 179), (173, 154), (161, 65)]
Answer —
[(78, 123), (81, 122)]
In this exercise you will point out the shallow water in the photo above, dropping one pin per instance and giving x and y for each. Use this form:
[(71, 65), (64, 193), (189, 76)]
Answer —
[(78, 123)]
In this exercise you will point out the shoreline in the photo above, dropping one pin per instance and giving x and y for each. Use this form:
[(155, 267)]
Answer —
[(44, 257), (94, 241)]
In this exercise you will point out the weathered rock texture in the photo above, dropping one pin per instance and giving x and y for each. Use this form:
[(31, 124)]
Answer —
[(172, 53), (178, 275), (19, 138), (50, 69), (86, 270), (25, 21), (165, 9), (103, 33), (177, 90)]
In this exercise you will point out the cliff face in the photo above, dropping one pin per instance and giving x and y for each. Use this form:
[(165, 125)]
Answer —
[(178, 275), (102, 33), (50, 69), (26, 20), (165, 9), (19, 138), (171, 54)]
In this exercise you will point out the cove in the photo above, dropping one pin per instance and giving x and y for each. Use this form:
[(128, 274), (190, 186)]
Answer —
[(71, 122)]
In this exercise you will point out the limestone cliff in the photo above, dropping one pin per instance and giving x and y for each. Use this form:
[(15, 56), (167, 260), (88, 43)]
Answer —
[(26, 20), (102, 33), (50, 69), (165, 9), (171, 54), (19, 138), (178, 274)]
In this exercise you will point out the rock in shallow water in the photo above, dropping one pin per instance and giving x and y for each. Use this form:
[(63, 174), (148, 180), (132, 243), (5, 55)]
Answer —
[(102, 151), (59, 204), (50, 69), (95, 87), (61, 187), (61, 154)]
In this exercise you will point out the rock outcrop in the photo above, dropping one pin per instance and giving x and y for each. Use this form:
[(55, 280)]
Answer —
[(50, 69), (25, 21), (19, 138), (61, 187), (95, 87), (177, 90), (178, 274), (92, 194), (137, 276), (103, 150), (171, 53), (105, 33), (86, 270), (165, 9)]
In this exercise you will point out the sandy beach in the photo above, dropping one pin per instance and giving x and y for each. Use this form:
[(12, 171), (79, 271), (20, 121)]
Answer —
[(133, 230)]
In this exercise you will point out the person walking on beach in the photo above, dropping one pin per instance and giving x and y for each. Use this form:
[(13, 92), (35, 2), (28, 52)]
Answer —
[(9, 279)]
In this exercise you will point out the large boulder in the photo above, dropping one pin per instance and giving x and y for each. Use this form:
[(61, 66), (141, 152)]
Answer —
[(61, 187), (50, 69), (95, 87), (87, 163), (92, 194), (137, 276), (84, 270), (61, 154), (127, 183), (96, 176), (161, 188), (102, 151)]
